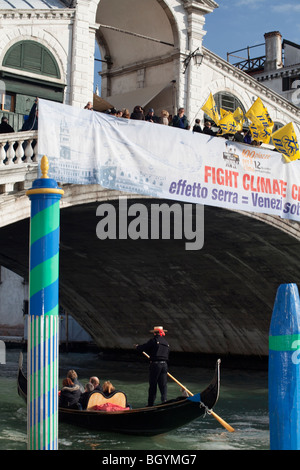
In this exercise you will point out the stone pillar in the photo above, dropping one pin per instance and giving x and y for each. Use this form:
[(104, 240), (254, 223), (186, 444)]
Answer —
[(83, 47), (196, 19)]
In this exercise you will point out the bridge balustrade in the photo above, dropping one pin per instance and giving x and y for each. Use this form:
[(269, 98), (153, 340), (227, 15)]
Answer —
[(18, 160)]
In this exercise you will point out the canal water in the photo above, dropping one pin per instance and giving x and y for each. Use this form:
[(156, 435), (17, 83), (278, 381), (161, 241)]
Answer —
[(243, 403)]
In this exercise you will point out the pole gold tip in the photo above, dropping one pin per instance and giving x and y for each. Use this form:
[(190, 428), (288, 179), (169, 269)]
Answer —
[(44, 167)]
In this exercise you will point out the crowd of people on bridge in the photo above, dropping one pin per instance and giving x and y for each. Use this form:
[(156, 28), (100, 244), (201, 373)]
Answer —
[(179, 120), (138, 113)]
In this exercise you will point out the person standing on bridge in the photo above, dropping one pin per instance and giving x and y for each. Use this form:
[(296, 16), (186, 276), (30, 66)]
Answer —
[(31, 124), (180, 120), (5, 128), (157, 348)]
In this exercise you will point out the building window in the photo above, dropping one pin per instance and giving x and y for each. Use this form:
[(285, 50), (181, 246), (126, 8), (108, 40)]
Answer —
[(8, 102), (288, 83), (32, 57), (228, 102)]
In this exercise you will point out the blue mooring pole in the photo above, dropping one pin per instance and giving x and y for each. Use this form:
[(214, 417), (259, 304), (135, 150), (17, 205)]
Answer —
[(43, 318), (284, 370)]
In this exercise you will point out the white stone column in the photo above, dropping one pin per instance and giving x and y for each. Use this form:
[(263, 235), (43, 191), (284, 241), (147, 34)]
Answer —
[(83, 46), (196, 12)]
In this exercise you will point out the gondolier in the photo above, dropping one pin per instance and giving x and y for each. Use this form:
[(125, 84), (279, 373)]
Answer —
[(158, 350)]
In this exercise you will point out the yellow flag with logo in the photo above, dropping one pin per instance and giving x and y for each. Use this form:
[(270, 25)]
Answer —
[(210, 109), (223, 112), (265, 134), (228, 124), (238, 115), (259, 115), (262, 125), (260, 133), (285, 141)]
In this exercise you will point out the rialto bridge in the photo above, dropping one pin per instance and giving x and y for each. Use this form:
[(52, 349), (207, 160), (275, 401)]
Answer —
[(216, 300)]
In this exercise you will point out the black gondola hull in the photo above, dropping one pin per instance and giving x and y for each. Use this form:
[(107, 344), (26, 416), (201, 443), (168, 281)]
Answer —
[(148, 421)]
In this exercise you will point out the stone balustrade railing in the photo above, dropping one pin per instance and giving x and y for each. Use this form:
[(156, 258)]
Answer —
[(18, 160), (18, 147)]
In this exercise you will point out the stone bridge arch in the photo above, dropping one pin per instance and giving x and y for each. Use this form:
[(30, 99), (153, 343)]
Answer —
[(16, 206), (221, 296)]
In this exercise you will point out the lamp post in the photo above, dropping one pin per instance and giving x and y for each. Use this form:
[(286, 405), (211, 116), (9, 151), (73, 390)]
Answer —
[(196, 55)]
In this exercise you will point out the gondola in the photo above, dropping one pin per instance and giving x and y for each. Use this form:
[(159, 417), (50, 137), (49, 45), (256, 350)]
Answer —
[(147, 421)]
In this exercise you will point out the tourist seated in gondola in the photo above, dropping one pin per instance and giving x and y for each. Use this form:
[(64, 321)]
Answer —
[(83, 400), (96, 382), (109, 390), (72, 374), (69, 395)]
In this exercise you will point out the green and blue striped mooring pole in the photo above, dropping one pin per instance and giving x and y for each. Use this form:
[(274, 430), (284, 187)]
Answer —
[(284, 370), (42, 345)]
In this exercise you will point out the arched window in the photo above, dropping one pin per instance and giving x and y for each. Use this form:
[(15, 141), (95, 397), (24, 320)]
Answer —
[(228, 102), (32, 57), (28, 70)]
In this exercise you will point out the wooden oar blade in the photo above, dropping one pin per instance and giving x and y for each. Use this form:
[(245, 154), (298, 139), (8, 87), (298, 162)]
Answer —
[(221, 421)]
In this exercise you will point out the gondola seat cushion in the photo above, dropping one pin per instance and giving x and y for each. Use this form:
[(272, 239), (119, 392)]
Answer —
[(98, 399), (109, 407)]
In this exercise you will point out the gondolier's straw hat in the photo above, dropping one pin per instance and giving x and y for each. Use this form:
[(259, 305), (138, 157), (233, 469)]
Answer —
[(158, 329)]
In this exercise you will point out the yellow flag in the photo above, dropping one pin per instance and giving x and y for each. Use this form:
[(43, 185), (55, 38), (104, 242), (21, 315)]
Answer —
[(228, 124), (253, 128), (265, 134), (240, 125), (285, 141), (258, 114), (260, 133), (210, 109), (238, 114), (223, 112)]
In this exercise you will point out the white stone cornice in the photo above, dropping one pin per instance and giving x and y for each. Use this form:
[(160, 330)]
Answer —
[(200, 6), (293, 70), (57, 14)]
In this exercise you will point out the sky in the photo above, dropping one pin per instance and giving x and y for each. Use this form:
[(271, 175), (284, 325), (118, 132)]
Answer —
[(237, 24)]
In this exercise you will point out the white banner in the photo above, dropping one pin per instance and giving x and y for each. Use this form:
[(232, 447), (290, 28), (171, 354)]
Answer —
[(86, 147)]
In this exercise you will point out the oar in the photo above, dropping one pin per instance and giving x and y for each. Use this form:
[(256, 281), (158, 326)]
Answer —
[(218, 418)]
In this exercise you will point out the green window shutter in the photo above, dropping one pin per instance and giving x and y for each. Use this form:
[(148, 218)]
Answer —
[(32, 57), (13, 57), (50, 66)]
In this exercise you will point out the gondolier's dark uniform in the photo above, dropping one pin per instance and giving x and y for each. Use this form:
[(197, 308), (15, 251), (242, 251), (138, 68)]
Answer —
[(158, 349)]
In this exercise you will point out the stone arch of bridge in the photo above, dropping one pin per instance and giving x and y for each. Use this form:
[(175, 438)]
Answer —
[(221, 296), (16, 208)]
